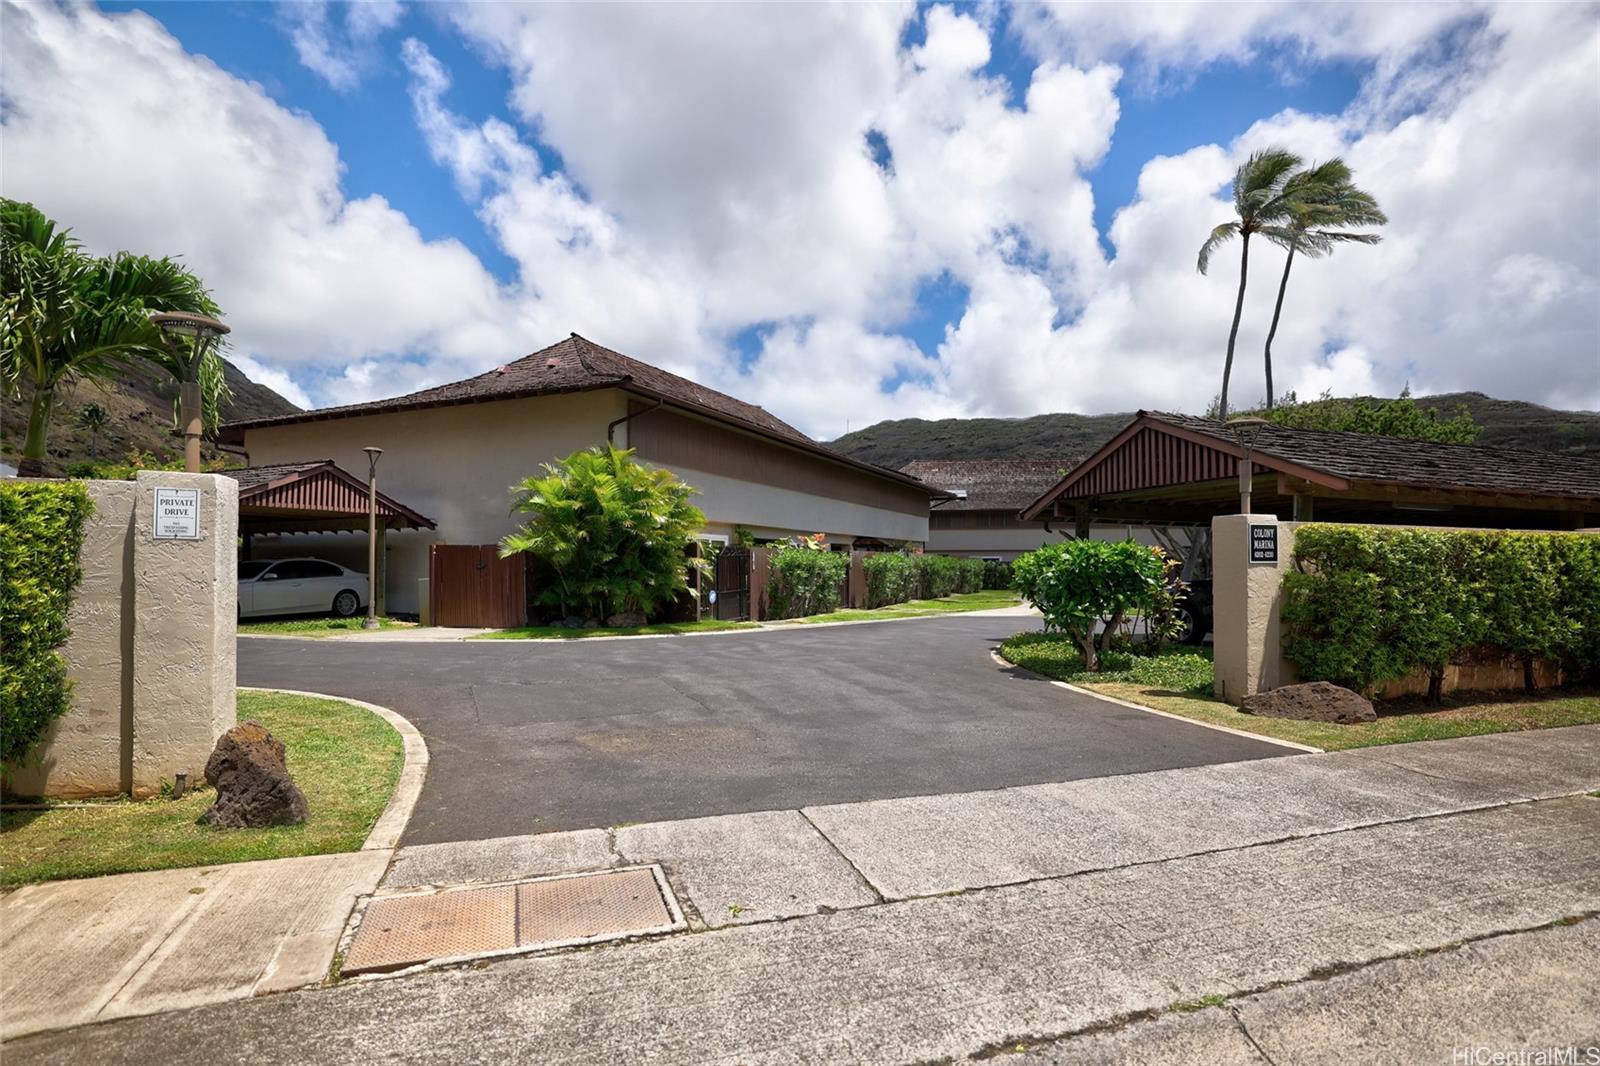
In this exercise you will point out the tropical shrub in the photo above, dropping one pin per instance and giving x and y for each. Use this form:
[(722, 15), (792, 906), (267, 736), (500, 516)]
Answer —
[(41, 535), (1400, 417), (996, 574), (1364, 605), (1082, 585), (892, 577), (804, 581), (609, 532)]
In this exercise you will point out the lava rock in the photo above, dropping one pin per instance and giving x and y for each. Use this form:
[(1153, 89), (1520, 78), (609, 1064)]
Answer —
[(253, 785), (1317, 701), (626, 620)]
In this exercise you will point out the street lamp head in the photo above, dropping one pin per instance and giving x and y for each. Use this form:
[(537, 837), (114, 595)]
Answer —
[(189, 324), (1246, 428), (372, 460), (372, 452)]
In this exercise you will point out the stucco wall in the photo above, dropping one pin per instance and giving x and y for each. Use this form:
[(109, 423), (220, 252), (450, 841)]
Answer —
[(456, 464), (1248, 600), (151, 655)]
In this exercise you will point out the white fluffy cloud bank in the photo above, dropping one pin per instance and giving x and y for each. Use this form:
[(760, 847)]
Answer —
[(718, 181)]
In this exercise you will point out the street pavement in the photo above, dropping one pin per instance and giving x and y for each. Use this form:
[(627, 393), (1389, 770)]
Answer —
[(539, 737), (1371, 901)]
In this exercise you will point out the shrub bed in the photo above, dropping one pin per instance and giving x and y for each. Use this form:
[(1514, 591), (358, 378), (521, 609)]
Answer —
[(892, 577), (1363, 606), (805, 581), (1180, 670), (41, 535)]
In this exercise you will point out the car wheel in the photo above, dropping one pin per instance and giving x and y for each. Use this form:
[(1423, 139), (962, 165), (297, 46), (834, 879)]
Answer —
[(346, 604), (1193, 629)]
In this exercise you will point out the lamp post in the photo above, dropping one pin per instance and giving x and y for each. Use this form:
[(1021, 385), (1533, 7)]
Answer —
[(203, 331), (372, 538), (1246, 428)]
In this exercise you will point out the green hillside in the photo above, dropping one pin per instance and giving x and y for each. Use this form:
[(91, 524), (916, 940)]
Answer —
[(1505, 423), (140, 418)]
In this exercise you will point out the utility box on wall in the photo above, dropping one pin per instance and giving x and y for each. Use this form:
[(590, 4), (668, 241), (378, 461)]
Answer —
[(152, 651)]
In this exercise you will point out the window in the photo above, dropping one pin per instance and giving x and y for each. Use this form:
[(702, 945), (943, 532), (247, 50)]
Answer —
[(305, 569), (252, 568)]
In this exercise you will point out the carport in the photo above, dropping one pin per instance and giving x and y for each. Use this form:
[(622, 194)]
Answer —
[(317, 496), (1182, 470)]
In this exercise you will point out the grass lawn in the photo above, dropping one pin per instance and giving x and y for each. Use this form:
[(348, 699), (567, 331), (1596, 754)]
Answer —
[(567, 633), (987, 600), (345, 759), (318, 627), (1179, 682)]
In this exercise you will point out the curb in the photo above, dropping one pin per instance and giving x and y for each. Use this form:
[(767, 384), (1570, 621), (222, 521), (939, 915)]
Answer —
[(386, 831), (1008, 665)]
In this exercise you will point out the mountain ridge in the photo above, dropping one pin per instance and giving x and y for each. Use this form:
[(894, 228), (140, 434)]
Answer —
[(893, 443)]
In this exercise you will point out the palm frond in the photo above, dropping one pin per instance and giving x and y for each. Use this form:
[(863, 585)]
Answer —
[(1219, 236)]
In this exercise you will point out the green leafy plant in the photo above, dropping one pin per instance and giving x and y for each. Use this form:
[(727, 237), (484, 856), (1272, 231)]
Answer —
[(996, 574), (610, 532), (1400, 417), (66, 315), (1364, 605), (1081, 586), (891, 577), (1176, 670), (805, 581), (41, 536)]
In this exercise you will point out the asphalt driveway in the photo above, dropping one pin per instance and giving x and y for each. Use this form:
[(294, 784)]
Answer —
[(537, 737)]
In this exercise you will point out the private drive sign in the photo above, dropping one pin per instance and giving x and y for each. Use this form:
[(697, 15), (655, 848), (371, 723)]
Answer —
[(177, 514)]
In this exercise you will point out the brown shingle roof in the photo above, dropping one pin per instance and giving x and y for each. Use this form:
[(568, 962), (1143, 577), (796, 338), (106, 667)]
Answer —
[(990, 484), (571, 365), (1426, 464), (577, 364)]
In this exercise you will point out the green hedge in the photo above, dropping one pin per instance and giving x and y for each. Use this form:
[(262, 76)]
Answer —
[(1364, 605), (997, 575), (41, 535), (895, 577), (892, 577), (804, 581)]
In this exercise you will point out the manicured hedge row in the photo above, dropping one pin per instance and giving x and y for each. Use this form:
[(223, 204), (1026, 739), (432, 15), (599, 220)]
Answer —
[(1366, 605), (895, 577), (805, 581), (41, 534), (997, 575)]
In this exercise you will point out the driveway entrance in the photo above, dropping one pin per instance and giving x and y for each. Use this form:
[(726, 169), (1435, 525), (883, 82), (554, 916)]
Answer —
[(536, 737)]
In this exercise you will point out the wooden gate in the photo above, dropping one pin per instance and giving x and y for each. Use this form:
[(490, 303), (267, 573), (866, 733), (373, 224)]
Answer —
[(470, 585), (730, 585)]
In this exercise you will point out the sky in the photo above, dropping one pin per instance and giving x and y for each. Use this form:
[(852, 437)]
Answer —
[(844, 213)]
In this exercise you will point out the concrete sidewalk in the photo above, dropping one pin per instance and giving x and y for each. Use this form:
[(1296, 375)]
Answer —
[(924, 927)]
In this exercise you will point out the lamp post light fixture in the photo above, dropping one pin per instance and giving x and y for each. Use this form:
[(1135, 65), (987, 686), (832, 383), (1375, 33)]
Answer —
[(372, 538), (1246, 428), (203, 332)]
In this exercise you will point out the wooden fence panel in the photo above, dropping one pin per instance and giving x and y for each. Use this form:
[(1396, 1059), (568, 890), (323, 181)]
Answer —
[(470, 585)]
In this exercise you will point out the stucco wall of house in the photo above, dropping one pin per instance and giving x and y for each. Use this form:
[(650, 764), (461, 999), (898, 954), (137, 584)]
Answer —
[(151, 655), (456, 464), (770, 511)]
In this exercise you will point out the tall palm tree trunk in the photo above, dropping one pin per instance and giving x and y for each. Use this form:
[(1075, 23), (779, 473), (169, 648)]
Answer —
[(1277, 309), (1238, 312), (32, 463)]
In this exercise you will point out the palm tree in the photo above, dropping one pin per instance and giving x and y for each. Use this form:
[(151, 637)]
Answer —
[(1324, 207), (67, 315), (93, 417), (1259, 201)]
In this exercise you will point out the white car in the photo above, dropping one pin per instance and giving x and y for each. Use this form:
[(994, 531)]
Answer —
[(299, 586)]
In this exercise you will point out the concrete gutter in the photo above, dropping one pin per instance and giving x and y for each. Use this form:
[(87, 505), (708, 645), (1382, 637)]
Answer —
[(1025, 672), (396, 814)]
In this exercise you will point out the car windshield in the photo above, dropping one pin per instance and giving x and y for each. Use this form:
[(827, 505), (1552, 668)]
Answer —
[(252, 568)]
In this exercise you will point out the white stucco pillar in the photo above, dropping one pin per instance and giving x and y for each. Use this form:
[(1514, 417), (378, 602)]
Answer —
[(1249, 554), (185, 577)]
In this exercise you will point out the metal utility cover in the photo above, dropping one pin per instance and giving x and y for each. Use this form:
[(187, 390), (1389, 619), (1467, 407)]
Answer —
[(401, 931)]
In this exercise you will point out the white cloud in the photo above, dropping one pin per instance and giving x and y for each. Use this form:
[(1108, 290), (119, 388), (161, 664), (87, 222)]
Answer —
[(338, 54), (717, 177)]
